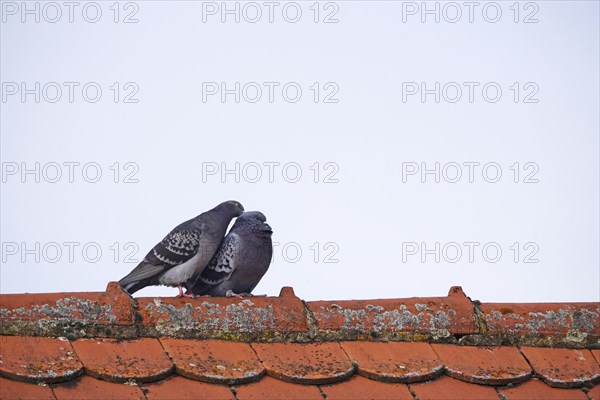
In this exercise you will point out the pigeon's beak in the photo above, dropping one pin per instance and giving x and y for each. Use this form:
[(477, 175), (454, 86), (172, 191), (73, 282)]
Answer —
[(267, 228)]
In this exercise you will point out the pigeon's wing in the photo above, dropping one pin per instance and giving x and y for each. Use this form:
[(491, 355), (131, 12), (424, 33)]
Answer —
[(176, 248), (221, 266)]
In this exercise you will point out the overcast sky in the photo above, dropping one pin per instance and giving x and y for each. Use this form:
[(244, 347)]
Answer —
[(396, 149)]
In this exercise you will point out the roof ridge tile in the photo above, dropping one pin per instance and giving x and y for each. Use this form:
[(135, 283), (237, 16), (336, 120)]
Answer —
[(286, 318)]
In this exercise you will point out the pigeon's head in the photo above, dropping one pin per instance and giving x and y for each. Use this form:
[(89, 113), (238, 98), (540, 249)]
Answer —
[(253, 215), (231, 207), (253, 221)]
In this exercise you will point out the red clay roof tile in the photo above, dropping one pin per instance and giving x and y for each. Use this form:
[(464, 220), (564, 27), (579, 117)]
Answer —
[(142, 360), (314, 344), (394, 361), (214, 361), (433, 317), (223, 318), (359, 388), (536, 390), (38, 359), (542, 318), (446, 388), (596, 354), (594, 393), (96, 313), (484, 365), (185, 389), (563, 368), (13, 390), (88, 388), (273, 389), (308, 363)]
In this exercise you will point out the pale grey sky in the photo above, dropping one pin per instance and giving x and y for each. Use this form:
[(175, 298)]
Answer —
[(394, 155)]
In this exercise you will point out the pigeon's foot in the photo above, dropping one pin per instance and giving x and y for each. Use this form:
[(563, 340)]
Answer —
[(230, 293), (188, 295)]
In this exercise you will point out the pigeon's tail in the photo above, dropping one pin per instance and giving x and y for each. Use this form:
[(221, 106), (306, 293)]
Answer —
[(143, 275), (132, 287)]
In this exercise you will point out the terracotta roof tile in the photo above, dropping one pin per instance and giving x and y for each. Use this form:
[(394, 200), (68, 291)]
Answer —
[(423, 318), (572, 321), (359, 388), (446, 388), (273, 389), (101, 314), (394, 361), (484, 365), (35, 359), (286, 318), (205, 317), (594, 393), (186, 389), (88, 388), (13, 390), (536, 390), (563, 367), (596, 354), (311, 363), (214, 361), (142, 360), (182, 348)]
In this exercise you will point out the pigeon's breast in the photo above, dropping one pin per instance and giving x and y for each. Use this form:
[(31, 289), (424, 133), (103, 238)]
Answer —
[(183, 272)]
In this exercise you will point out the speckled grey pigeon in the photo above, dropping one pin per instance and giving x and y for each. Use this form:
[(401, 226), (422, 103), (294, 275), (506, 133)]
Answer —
[(184, 252), (241, 261)]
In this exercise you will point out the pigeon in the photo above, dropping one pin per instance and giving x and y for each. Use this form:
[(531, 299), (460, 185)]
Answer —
[(184, 252), (241, 260)]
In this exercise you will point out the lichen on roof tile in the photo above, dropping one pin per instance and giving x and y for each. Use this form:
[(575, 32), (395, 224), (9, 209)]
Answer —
[(281, 347), (222, 317)]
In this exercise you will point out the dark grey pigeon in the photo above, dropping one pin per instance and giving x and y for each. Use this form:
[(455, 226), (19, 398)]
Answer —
[(185, 251), (241, 261)]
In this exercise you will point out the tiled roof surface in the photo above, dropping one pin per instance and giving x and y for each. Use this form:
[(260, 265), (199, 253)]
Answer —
[(108, 345)]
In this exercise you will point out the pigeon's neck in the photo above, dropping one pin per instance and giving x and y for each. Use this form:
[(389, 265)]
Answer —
[(214, 219), (258, 240)]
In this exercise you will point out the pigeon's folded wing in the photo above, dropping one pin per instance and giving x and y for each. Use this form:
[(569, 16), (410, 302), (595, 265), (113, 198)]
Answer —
[(176, 248), (220, 267)]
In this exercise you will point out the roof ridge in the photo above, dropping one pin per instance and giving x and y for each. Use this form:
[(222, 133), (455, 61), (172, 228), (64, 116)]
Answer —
[(454, 318)]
